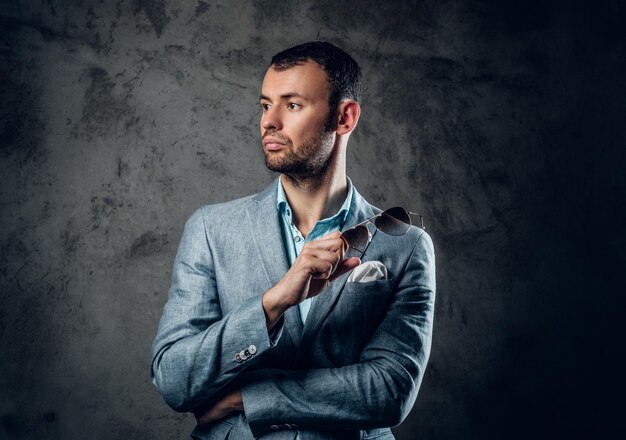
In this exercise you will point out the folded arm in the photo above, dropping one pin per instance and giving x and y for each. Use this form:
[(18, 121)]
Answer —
[(377, 392), (198, 350), (195, 352)]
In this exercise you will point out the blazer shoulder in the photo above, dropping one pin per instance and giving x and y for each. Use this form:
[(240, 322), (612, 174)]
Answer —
[(222, 213), (231, 212), (418, 241), (421, 236), (226, 208)]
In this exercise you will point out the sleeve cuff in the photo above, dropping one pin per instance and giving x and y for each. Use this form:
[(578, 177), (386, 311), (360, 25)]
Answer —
[(252, 338), (277, 331)]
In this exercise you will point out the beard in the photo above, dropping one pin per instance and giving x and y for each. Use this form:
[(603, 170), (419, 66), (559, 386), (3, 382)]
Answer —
[(309, 160)]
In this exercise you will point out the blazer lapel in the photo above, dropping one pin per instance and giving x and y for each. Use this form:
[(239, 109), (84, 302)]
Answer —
[(322, 304), (264, 223)]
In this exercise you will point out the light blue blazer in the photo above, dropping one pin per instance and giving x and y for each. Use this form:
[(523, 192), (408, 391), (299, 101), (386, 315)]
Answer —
[(351, 372)]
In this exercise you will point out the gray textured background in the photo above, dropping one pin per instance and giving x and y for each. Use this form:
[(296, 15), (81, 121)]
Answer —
[(502, 124)]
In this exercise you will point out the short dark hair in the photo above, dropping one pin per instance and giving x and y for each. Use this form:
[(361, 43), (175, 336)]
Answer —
[(342, 72)]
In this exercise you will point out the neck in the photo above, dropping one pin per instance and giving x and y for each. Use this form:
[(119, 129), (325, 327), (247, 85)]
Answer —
[(313, 198)]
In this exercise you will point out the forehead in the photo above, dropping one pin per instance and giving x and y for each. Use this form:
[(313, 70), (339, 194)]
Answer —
[(308, 79)]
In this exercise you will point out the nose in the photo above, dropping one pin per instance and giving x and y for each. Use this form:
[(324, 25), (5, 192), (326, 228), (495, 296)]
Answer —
[(271, 119)]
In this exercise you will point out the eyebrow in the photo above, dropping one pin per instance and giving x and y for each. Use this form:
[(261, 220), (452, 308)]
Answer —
[(286, 96)]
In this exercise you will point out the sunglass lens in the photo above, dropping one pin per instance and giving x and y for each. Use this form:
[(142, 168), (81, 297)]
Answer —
[(393, 221), (356, 237)]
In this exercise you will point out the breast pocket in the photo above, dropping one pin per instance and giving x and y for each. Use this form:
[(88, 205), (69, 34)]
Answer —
[(361, 306), (378, 286), (355, 316)]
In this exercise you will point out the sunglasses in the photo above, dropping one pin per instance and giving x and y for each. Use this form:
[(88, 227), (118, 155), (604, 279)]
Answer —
[(393, 221)]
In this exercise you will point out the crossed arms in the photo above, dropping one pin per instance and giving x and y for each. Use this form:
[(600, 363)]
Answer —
[(193, 352)]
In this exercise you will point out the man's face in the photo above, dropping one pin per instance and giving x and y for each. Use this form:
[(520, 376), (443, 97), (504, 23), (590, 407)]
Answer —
[(296, 130)]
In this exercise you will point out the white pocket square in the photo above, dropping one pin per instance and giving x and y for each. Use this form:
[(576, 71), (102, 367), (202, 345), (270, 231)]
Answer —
[(368, 271)]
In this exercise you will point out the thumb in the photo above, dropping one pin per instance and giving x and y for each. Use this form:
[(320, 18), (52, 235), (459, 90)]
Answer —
[(345, 266)]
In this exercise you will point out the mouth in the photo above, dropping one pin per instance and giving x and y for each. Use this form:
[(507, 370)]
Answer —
[(273, 144)]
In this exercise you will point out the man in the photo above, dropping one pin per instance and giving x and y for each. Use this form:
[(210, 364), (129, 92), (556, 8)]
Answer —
[(263, 335)]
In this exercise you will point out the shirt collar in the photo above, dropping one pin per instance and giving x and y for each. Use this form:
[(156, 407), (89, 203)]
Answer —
[(283, 205)]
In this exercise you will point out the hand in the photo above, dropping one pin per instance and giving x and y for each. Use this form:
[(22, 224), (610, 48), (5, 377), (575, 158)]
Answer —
[(207, 414), (319, 263)]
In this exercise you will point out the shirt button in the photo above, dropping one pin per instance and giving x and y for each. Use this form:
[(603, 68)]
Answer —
[(298, 239)]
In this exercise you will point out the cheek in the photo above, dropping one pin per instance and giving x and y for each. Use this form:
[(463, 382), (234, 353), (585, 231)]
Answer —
[(302, 130)]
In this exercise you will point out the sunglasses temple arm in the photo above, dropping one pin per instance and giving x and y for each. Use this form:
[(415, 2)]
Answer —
[(421, 219)]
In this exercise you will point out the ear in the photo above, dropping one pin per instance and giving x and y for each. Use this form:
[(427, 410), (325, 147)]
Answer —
[(348, 116)]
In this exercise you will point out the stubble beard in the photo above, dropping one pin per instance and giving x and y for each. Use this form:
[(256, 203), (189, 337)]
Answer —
[(309, 161)]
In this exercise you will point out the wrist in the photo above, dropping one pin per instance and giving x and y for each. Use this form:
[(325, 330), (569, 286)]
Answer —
[(274, 305)]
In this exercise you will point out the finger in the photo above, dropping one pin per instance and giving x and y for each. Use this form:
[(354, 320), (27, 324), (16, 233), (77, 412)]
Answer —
[(315, 257), (345, 266), (335, 239), (333, 246), (331, 242), (331, 256), (322, 269), (307, 267), (345, 247)]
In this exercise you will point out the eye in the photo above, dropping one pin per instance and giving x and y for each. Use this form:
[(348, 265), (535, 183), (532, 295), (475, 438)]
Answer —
[(265, 106), (293, 106)]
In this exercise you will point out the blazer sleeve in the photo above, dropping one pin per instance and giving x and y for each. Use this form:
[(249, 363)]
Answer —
[(377, 392), (198, 351)]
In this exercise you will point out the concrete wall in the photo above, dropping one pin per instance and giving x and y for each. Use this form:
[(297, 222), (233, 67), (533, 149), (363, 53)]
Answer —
[(503, 125)]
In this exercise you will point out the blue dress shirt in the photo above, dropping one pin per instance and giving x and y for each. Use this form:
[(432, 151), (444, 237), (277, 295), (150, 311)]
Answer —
[(293, 239)]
